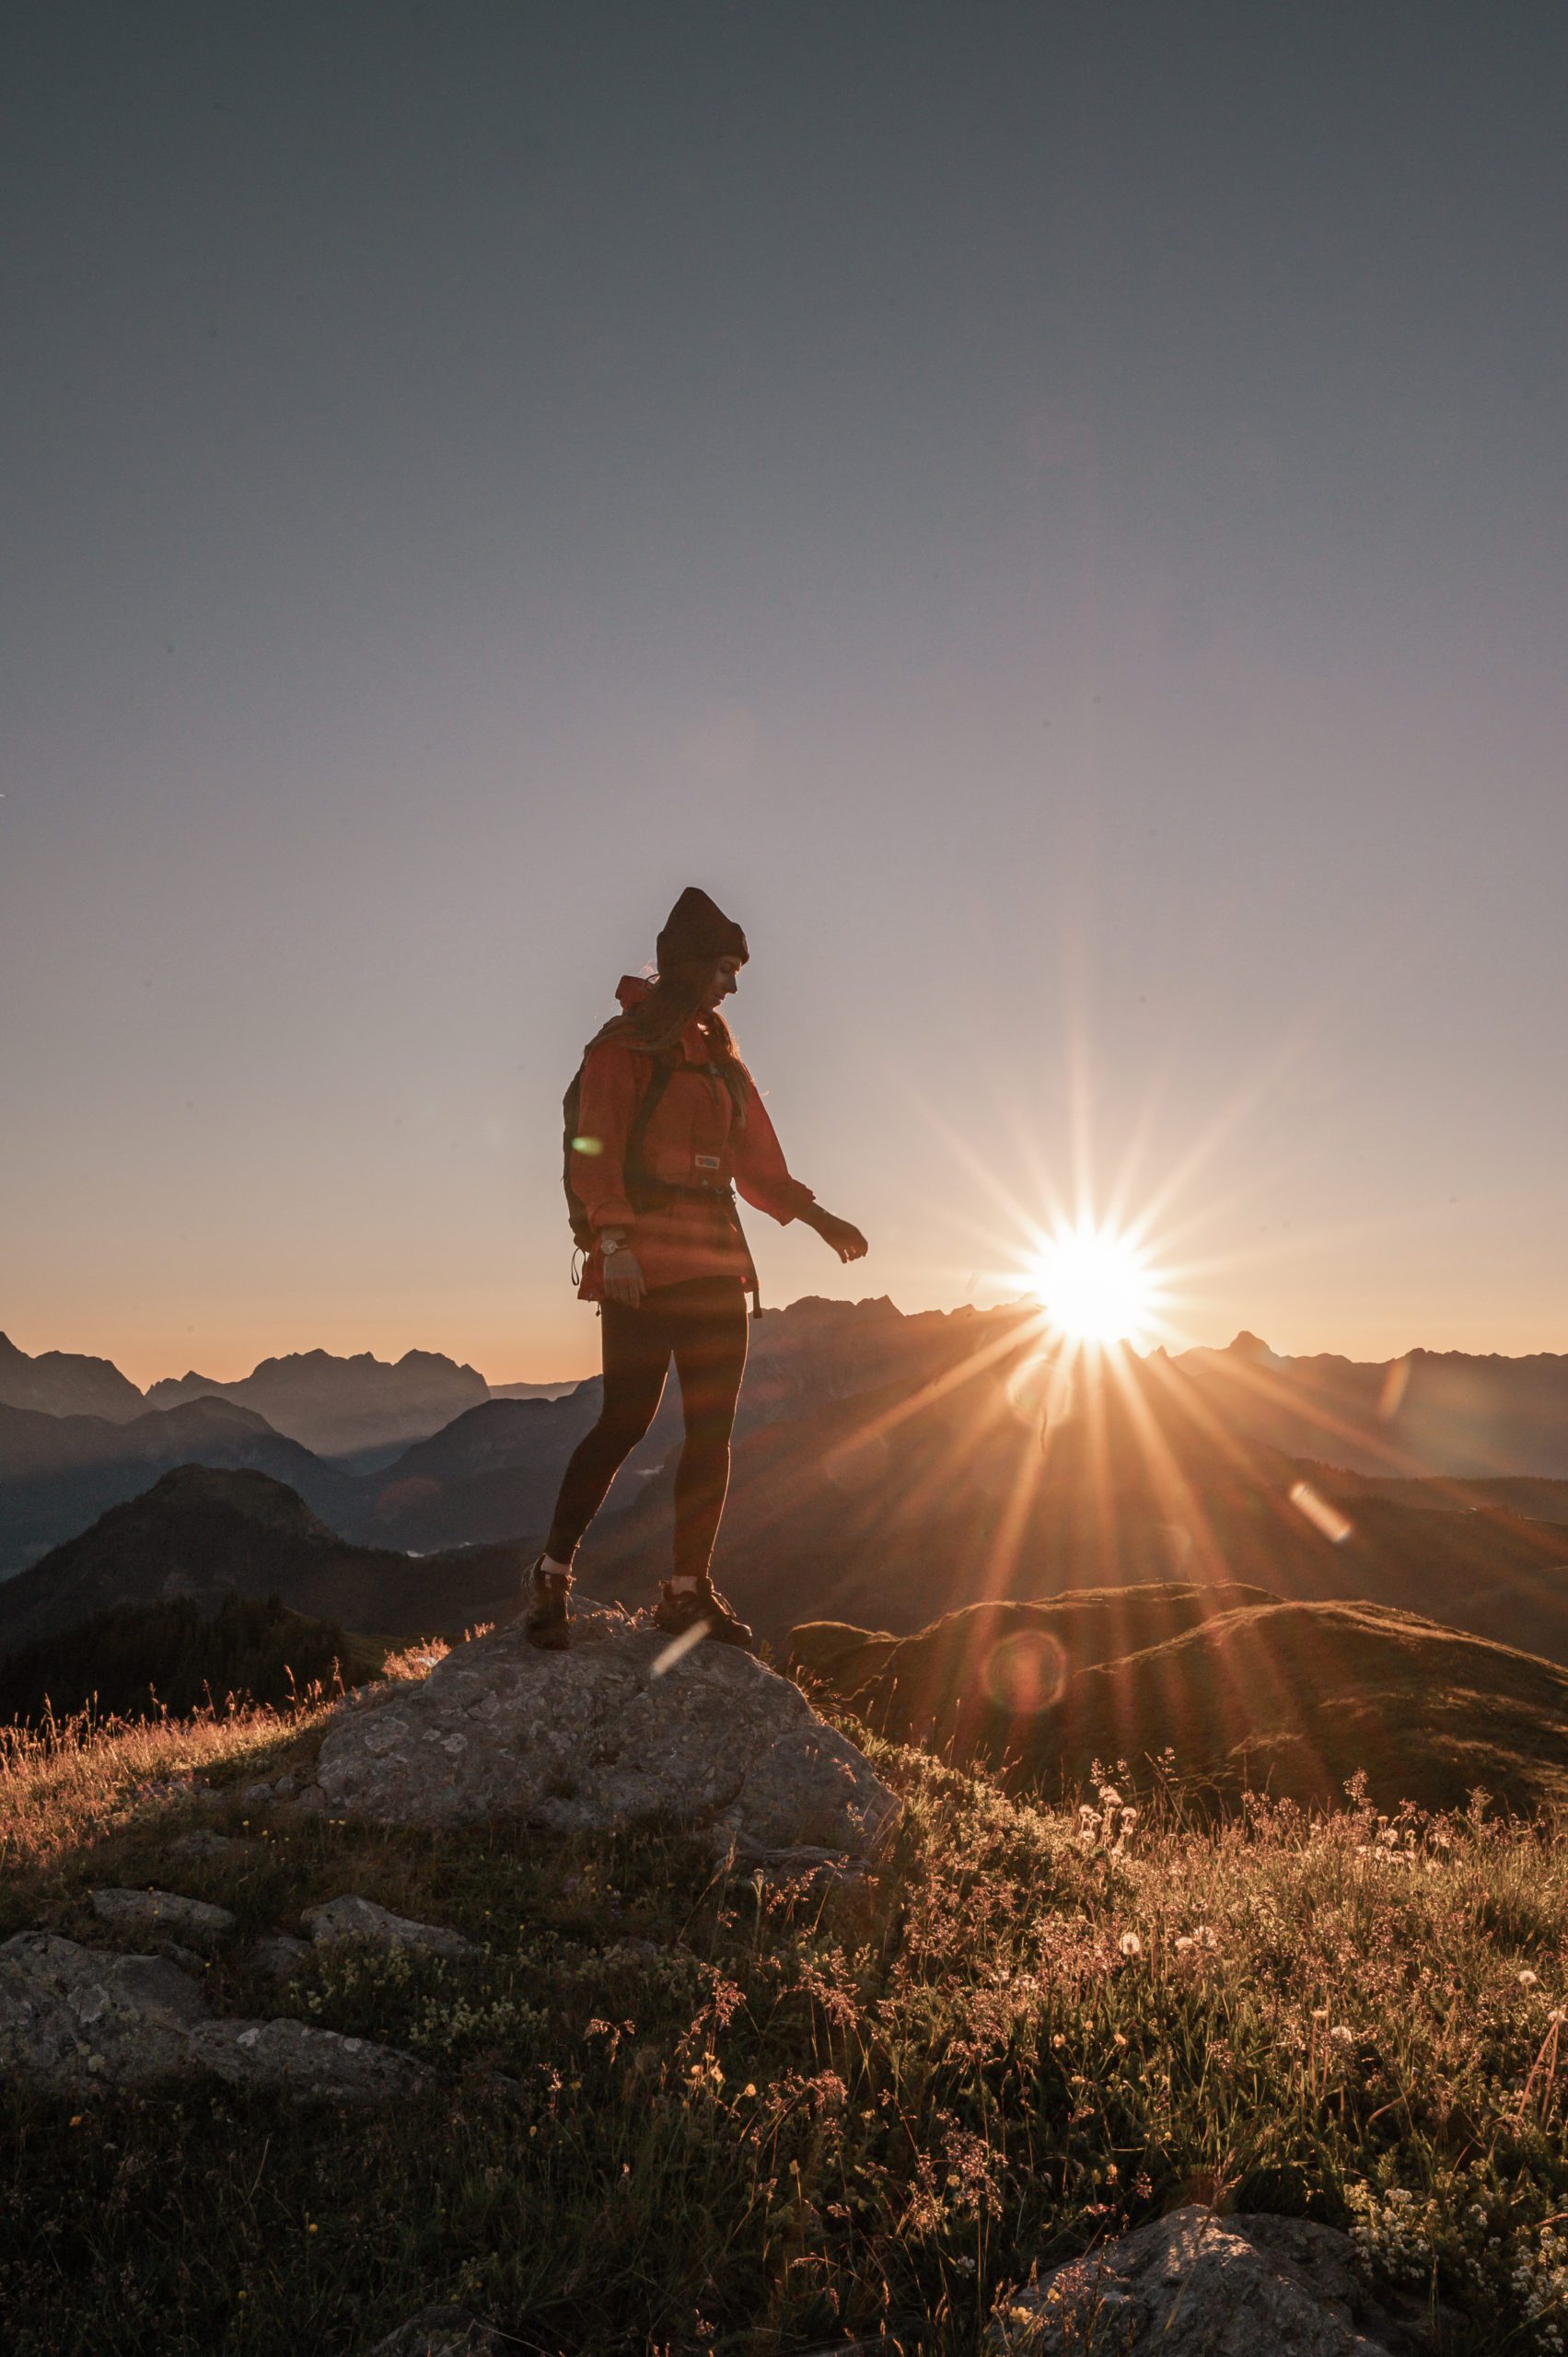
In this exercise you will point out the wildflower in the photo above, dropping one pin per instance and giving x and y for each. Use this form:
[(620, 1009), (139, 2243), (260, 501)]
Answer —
[(1529, 1980), (748, 2089), (1131, 1945), (1185, 1945), (1341, 2036), (312, 2228), (1206, 1936)]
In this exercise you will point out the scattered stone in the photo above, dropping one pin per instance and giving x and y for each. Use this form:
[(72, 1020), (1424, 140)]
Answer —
[(73, 2017), (204, 1843), (287, 1785), (360, 1919), (603, 1736), (1196, 2285), (161, 1911), (256, 1793), (294, 2058), (278, 1954), (443, 2332)]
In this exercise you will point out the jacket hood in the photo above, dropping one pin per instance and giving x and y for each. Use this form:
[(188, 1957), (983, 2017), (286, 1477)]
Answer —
[(631, 991)]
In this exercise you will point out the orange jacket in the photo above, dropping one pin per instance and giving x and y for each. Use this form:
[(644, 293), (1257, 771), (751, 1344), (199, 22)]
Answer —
[(695, 1138)]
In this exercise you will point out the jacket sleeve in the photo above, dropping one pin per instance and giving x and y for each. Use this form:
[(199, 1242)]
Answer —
[(607, 1103), (761, 1171)]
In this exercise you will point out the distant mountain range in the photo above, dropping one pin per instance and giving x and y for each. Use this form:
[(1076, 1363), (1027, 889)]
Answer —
[(62, 1383), (333, 1406), (1431, 1413), (889, 1469), (57, 1473)]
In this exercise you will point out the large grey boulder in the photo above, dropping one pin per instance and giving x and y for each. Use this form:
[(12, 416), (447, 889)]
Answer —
[(1196, 2285), (73, 2017), (610, 1733)]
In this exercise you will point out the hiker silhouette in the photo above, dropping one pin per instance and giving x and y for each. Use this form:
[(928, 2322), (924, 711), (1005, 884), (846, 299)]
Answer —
[(663, 1125)]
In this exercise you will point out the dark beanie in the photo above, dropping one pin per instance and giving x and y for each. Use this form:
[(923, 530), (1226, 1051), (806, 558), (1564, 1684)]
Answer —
[(698, 933)]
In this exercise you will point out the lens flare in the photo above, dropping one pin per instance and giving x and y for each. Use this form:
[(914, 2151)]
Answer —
[(1095, 1286)]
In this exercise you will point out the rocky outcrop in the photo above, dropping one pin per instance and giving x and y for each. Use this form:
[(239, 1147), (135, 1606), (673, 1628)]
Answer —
[(607, 1735), (350, 1918), (72, 2018), (161, 1912), (1196, 2285)]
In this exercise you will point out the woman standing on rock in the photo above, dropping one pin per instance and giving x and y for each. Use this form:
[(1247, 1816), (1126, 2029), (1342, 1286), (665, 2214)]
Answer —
[(663, 1124)]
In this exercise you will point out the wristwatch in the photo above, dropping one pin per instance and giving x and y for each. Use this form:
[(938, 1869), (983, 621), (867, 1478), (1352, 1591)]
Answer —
[(609, 1244)]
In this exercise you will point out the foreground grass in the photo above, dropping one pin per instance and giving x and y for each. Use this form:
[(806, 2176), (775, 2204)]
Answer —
[(677, 2113)]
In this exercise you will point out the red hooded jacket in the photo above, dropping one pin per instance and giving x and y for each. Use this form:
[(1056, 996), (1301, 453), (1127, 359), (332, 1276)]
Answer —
[(696, 1138)]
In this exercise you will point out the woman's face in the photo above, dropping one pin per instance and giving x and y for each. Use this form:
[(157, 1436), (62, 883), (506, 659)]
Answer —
[(724, 981)]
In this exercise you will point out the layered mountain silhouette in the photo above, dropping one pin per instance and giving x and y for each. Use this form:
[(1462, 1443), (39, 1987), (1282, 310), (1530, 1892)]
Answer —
[(205, 1535), (57, 1473), (1216, 1691), (334, 1406)]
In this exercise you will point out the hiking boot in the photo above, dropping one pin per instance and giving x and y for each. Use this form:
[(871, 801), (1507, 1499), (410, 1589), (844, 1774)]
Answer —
[(549, 1622), (689, 1607)]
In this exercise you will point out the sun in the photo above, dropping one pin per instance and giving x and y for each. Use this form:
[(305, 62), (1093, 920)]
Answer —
[(1095, 1286)]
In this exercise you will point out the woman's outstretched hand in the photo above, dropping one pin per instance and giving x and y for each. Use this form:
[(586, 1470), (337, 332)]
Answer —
[(624, 1279), (841, 1235)]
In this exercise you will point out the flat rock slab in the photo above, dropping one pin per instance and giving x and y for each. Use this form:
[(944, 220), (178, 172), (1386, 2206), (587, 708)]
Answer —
[(603, 1736), (443, 2332), (1196, 2285), (360, 1919), (161, 1911), (203, 1843), (73, 2017)]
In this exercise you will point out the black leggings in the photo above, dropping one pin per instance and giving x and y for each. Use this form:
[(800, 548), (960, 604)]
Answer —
[(702, 1324)]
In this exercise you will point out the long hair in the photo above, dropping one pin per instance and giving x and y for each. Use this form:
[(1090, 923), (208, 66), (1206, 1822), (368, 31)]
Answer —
[(656, 1013)]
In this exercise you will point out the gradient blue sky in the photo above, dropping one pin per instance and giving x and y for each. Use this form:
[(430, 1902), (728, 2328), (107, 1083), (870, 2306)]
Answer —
[(1055, 515)]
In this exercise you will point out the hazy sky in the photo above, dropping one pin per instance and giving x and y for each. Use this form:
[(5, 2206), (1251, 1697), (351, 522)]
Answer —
[(1056, 516)]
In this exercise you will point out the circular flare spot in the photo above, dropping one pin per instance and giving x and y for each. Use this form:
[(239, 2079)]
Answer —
[(1025, 1674)]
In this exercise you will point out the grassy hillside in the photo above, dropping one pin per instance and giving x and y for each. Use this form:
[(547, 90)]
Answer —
[(1242, 1689), (675, 2113)]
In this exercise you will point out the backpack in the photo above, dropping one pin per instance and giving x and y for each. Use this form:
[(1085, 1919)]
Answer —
[(642, 1188), (659, 1081)]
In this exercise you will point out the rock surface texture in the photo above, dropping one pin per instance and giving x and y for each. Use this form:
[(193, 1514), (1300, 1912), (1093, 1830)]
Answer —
[(72, 2018), (161, 1912), (360, 1919), (604, 1736), (1197, 2285)]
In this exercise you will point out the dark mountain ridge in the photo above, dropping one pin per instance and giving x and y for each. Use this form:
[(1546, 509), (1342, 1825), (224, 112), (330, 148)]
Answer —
[(63, 1383), (204, 1534)]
